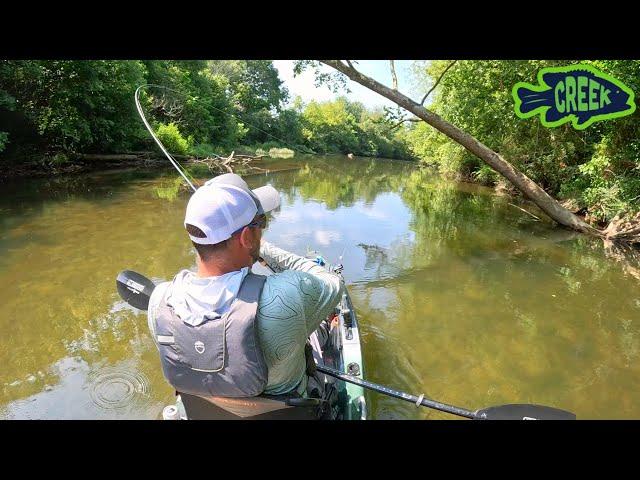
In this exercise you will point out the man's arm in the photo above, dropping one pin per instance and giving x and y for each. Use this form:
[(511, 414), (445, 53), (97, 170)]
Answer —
[(320, 289)]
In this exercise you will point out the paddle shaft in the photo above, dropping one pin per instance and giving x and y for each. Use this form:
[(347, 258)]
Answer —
[(443, 407)]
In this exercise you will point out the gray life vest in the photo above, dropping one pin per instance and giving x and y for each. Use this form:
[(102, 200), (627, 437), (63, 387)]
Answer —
[(220, 357)]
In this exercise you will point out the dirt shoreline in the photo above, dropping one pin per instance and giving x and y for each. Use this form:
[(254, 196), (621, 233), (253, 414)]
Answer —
[(74, 166), (36, 170)]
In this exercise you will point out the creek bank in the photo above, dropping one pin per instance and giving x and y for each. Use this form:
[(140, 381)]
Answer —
[(46, 166), (84, 163)]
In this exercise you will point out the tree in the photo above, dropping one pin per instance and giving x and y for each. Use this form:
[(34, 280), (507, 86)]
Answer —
[(201, 107), (523, 183), (254, 84), (256, 93), (77, 104)]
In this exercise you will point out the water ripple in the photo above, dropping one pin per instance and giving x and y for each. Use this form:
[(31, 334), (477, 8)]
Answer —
[(114, 389)]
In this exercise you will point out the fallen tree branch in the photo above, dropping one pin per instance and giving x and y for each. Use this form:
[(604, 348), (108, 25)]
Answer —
[(396, 125), (521, 181), (221, 164)]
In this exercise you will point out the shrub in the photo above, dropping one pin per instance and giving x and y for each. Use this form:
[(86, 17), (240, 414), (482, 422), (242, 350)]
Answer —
[(281, 153), (4, 139), (204, 150), (173, 140), (59, 159)]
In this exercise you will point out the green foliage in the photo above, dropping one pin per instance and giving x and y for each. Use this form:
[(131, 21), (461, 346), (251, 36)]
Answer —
[(254, 84), (76, 104), (281, 153), (59, 159), (486, 175), (341, 126), (173, 140), (330, 127), (256, 92), (289, 125), (202, 108), (198, 100), (598, 167), (4, 139), (203, 150), (335, 81)]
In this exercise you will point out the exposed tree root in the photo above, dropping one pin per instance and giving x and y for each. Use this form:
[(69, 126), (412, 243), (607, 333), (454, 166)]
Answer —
[(624, 228), (625, 254)]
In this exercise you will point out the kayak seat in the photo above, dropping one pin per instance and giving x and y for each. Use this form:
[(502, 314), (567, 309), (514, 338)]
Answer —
[(263, 407)]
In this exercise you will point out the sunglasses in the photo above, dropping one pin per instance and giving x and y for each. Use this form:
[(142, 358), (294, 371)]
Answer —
[(259, 221)]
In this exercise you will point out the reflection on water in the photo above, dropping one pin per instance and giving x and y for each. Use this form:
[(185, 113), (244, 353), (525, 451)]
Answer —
[(460, 295)]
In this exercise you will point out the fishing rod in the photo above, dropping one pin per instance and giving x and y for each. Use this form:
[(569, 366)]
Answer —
[(153, 135)]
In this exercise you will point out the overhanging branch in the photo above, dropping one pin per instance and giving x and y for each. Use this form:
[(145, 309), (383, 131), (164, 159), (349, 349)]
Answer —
[(397, 124), (437, 82)]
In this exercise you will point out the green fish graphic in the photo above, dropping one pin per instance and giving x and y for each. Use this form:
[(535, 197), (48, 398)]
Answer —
[(580, 94)]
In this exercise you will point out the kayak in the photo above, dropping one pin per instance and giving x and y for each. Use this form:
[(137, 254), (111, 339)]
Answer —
[(342, 352), (341, 360), (346, 356)]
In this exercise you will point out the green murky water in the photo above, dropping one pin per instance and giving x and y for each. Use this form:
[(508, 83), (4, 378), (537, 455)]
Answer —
[(460, 295)]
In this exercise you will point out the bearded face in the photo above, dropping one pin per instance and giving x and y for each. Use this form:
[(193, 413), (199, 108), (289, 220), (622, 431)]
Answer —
[(255, 248)]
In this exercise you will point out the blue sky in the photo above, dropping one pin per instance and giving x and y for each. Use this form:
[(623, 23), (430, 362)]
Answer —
[(303, 85)]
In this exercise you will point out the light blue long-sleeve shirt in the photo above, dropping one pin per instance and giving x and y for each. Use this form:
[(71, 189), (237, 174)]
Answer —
[(293, 303)]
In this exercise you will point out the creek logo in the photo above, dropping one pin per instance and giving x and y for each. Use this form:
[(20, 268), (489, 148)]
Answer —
[(579, 93)]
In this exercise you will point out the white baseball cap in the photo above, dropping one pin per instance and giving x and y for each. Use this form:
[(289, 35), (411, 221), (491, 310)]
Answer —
[(225, 204)]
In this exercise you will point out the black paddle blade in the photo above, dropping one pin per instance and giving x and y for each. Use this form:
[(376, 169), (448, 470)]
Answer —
[(523, 412), (135, 289)]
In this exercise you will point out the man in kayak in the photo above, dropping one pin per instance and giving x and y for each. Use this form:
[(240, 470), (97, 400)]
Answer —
[(223, 331)]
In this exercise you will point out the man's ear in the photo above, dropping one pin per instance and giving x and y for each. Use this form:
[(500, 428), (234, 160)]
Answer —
[(246, 238)]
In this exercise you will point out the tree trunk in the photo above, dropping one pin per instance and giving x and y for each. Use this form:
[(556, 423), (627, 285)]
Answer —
[(393, 75), (523, 183)]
